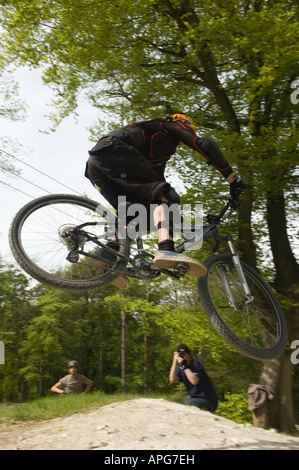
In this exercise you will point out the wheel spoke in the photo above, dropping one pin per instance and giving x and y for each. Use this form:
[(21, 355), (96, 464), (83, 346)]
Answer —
[(43, 235), (256, 328)]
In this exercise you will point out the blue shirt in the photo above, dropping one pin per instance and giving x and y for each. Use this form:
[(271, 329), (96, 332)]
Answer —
[(204, 388)]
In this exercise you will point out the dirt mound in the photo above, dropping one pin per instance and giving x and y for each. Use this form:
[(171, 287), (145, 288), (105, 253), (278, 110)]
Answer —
[(141, 424)]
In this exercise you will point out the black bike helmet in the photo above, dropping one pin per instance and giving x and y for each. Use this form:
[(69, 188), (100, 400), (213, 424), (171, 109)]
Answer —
[(73, 364)]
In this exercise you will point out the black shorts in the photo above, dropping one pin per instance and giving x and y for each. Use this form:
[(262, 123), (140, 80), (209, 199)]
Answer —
[(120, 170)]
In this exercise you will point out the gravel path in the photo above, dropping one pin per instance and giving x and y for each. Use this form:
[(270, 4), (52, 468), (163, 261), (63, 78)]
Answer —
[(141, 424)]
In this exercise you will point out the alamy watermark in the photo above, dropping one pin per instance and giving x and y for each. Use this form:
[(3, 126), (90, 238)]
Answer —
[(295, 94), (138, 219), (295, 354)]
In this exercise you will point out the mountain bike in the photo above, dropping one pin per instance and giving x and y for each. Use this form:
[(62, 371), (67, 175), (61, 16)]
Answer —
[(56, 238)]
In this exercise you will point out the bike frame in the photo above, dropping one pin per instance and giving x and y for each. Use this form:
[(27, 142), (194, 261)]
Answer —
[(208, 231)]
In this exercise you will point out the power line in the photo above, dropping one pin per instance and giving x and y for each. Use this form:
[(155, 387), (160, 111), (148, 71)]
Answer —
[(16, 189), (50, 177), (24, 179), (39, 171)]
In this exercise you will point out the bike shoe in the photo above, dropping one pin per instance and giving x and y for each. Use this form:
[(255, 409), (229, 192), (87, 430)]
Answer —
[(171, 260), (105, 255), (122, 282)]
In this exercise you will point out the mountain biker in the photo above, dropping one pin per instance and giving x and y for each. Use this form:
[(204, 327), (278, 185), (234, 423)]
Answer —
[(130, 162)]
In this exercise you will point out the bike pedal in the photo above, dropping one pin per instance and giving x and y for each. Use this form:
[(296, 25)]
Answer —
[(183, 268)]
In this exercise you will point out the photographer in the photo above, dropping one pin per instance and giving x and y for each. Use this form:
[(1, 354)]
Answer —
[(194, 376)]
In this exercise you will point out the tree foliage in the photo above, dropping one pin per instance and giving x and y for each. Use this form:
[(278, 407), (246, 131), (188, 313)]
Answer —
[(53, 327), (212, 58)]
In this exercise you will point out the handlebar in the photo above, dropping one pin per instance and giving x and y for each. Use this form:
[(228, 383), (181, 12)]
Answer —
[(231, 203)]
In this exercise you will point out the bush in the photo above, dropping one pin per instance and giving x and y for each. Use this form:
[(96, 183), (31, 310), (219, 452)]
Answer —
[(235, 408)]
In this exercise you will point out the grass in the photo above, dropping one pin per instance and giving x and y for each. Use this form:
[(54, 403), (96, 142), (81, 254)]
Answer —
[(57, 405), (62, 405)]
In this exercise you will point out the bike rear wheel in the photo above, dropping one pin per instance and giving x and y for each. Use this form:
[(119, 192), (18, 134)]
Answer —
[(55, 239), (257, 329)]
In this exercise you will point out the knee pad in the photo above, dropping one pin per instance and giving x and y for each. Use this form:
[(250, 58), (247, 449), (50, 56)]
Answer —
[(172, 196)]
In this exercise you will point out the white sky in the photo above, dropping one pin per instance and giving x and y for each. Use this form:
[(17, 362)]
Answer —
[(61, 155)]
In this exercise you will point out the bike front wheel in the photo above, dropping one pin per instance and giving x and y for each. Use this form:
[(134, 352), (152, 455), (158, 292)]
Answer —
[(55, 240), (256, 329)]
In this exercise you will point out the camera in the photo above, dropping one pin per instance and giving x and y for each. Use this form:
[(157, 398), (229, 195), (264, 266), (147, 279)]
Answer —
[(182, 355)]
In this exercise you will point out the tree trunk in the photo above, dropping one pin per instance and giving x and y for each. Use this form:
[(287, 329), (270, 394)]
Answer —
[(277, 376), (123, 352), (100, 369), (246, 245), (287, 272), (186, 18), (145, 360), (40, 381), (277, 373)]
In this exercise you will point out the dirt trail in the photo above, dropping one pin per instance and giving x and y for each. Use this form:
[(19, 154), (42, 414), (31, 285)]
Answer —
[(141, 424)]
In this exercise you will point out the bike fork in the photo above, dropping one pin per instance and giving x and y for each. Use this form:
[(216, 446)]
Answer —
[(238, 266)]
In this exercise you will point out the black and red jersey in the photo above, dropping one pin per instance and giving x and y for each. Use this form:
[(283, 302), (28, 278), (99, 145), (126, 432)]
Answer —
[(157, 140)]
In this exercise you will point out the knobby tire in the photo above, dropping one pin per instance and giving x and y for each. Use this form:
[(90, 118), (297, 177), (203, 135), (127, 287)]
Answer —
[(259, 330), (54, 279)]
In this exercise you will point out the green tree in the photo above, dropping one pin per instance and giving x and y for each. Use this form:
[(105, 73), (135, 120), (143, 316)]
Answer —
[(15, 313), (43, 351)]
